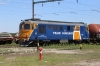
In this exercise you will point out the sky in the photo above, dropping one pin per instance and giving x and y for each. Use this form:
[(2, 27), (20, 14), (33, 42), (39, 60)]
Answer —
[(13, 11)]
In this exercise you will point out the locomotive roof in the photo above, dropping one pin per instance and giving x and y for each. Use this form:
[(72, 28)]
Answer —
[(53, 22)]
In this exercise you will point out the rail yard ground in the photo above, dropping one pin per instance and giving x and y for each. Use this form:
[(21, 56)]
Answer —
[(53, 55)]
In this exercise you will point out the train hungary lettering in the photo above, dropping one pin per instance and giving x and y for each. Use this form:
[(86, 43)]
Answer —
[(63, 33)]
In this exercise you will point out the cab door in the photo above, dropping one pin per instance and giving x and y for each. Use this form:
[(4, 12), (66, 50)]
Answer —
[(76, 33)]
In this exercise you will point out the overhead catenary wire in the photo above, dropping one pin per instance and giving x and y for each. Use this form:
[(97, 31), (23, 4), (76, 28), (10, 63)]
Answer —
[(65, 7), (66, 1), (72, 11)]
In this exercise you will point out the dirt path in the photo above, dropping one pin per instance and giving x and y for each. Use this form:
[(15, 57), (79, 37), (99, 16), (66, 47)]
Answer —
[(31, 49)]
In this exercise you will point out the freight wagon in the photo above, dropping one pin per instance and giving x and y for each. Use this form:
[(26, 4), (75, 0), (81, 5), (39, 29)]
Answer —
[(94, 30), (5, 38)]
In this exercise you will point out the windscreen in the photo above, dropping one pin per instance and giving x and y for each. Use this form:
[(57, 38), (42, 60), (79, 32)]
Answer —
[(26, 26), (20, 27)]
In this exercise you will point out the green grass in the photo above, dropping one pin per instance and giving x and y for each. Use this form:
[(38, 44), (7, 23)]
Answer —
[(73, 46), (59, 46), (49, 59), (9, 45), (91, 52), (13, 44)]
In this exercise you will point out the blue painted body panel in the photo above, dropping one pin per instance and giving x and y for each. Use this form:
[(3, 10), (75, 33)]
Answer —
[(58, 34)]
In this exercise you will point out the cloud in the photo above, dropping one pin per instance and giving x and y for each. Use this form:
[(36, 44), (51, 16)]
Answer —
[(4, 1)]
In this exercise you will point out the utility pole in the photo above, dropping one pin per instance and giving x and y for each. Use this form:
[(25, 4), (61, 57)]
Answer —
[(77, 1), (32, 9), (40, 2)]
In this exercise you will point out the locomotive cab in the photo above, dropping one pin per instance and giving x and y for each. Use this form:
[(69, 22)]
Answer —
[(25, 31)]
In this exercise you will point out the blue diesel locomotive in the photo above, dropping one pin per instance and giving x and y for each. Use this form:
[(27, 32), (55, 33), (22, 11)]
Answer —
[(51, 32)]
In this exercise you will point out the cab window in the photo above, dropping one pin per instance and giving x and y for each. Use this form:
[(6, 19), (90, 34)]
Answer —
[(77, 28), (32, 27), (26, 26), (20, 27)]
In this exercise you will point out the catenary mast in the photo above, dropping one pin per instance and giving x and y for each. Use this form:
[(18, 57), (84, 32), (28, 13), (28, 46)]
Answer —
[(40, 2)]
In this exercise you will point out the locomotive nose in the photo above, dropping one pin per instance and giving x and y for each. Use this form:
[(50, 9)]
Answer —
[(24, 35)]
